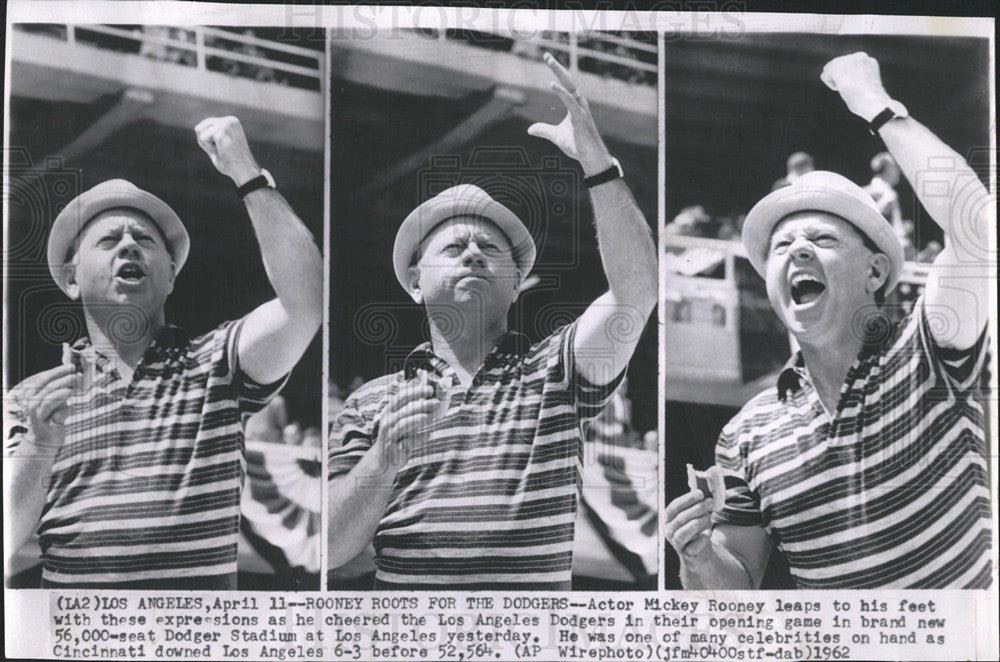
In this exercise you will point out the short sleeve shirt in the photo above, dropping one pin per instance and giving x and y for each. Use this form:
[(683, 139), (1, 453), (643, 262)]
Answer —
[(145, 491), (489, 501), (892, 491)]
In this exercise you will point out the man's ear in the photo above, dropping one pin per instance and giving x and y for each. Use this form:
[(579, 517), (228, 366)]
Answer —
[(69, 280), (173, 275), (517, 284), (414, 284), (878, 272)]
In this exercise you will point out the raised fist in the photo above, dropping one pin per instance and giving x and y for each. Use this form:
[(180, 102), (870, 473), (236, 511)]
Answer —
[(223, 140), (856, 77)]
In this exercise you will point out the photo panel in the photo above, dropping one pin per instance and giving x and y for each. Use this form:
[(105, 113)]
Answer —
[(527, 475), (872, 484), (185, 454)]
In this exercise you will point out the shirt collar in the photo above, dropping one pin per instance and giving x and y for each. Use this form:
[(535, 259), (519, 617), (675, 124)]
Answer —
[(794, 371), (509, 349), (790, 379), (168, 337)]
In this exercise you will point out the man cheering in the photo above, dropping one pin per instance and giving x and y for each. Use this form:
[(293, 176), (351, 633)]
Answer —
[(462, 468), (128, 459), (866, 465)]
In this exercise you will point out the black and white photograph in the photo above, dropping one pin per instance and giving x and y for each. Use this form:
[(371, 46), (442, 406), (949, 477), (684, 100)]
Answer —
[(484, 333), (493, 273), (164, 287), (826, 295)]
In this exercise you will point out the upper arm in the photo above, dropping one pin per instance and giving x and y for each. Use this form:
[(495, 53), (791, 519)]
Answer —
[(750, 546), (271, 342), (606, 336), (957, 298)]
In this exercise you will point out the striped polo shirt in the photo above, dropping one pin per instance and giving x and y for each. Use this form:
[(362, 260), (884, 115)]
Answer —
[(145, 491), (892, 491), (489, 501)]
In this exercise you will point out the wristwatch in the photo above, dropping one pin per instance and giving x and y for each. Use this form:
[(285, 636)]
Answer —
[(263, 180), (894, 110), (614, 171)]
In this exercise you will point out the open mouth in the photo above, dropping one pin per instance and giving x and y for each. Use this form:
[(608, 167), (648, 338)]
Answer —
[(806, 289), (131, 273)]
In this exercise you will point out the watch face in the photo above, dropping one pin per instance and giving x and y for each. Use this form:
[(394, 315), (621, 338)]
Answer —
[(268, 177)]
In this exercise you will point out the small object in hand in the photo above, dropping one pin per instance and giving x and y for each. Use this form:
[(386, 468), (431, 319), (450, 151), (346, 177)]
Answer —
[(710, 483), (76, 358)]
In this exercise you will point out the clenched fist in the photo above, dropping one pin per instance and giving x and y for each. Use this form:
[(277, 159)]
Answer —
[(856, 77), (223, 140)]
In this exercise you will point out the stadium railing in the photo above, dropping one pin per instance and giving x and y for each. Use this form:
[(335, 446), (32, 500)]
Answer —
[(205, 48), (619, 56)]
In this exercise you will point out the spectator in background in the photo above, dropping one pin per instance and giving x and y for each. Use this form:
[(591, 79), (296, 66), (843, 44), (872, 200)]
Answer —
[(797, 165), (930, 252), (728, 228), (335, 399), (690, 222), (267, 424), (882, 188)]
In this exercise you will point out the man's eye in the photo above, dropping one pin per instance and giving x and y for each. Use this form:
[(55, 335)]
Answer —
[(825, 240), (492, 249), (780, 247)]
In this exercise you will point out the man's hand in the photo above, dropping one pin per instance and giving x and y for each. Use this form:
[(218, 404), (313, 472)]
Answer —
[(223, 140), (42, 401), (688, 526), (577, 134), (856, 77), (406, 422)]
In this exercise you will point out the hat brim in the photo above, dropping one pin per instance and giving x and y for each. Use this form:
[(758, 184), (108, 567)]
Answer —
[(800, 197), (422, 221), (72, 220)]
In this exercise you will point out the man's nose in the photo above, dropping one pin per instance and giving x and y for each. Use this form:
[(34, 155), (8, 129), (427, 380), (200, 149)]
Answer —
[(802, 249), (473, 255), (127, 246)]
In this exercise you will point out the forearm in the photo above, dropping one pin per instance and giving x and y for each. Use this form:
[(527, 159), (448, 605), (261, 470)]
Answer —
[(26, 480), (626, 246), (934, 168), (719, 569), (357, 502), (291, 259)]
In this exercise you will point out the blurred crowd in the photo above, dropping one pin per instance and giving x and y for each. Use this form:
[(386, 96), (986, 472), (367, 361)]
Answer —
[(245, 43), (271, 424), (623, 47), (695, 221)]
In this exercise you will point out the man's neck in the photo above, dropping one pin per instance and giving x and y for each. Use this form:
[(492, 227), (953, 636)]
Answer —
[(118, 337), (828, 364), (466, 348)]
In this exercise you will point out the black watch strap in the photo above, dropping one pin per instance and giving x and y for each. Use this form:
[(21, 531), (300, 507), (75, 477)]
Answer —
[(879, 120), (258, 182), (613, 172)]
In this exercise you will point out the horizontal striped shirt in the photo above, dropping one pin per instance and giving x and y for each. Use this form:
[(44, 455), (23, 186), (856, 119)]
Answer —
[(892, 491), (145, 490), (489, 501)]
